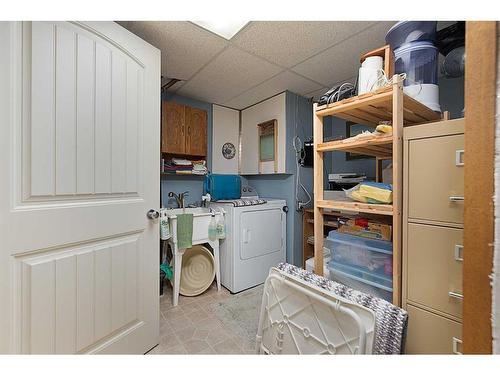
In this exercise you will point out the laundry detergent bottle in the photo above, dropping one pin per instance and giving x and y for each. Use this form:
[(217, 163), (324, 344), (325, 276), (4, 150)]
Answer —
[(212, 228), (221, 228)]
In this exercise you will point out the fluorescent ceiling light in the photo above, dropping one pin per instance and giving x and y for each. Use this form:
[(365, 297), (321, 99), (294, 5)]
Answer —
[(225, 28)]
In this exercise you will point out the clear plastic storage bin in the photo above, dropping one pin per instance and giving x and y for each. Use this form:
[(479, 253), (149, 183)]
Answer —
[(419, 60), (365, 254), (364, 282)]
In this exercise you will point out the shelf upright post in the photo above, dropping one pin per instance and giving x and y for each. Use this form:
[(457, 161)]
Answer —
[(397, 185), (318, 193)]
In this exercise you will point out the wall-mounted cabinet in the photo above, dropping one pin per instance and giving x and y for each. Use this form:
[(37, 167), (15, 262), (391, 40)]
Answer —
[(271, 109), (225, 140), (184, 130)]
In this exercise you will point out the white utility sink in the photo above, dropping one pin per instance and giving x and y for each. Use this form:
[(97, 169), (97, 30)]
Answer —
[(196, 211), (201, 221)]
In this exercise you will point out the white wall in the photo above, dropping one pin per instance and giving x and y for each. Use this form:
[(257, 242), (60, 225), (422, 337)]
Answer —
[(272, 108), (226, 128)]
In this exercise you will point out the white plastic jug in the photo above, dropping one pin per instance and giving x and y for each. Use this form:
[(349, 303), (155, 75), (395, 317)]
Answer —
[(370, 74)]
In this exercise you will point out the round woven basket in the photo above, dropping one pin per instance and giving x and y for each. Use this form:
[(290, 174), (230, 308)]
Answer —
[(198, 271)]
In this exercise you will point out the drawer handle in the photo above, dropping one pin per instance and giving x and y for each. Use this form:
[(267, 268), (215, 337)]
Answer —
[(455, 342), (459, 158), (456, 198), (458, 253), (456, 295)]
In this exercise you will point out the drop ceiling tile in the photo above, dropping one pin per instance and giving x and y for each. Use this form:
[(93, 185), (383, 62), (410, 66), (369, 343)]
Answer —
[(317, 93), (290, 42), (283, 81), (185, 48), (342, 60), (229, 74)]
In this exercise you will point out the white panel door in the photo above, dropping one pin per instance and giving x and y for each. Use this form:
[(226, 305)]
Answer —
[(79, 162)]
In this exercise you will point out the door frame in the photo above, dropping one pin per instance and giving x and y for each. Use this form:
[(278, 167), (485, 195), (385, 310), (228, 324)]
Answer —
[(480, 94)]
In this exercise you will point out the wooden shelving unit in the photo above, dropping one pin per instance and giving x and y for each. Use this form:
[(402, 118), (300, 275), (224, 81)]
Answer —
[(308, 231), (386, 104)]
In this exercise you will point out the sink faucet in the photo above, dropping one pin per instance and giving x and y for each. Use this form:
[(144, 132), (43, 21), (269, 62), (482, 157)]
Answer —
[(179, 197)]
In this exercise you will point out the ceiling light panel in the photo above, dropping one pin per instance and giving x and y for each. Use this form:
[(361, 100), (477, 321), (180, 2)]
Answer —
[(225, 28)]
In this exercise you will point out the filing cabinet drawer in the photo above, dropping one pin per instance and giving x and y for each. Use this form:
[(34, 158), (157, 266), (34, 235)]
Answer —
[(436, 178), (434, 266), (429, 333)]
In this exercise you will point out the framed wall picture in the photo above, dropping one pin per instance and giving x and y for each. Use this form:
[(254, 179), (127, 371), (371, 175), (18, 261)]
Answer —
[(268, 143), (352, 129)]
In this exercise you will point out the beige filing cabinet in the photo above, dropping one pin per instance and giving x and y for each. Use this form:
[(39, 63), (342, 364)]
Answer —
[(433, 191)]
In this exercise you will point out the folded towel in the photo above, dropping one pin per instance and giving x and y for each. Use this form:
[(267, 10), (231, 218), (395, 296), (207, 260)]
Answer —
[(391, 321), (184, 231), (244, 202)]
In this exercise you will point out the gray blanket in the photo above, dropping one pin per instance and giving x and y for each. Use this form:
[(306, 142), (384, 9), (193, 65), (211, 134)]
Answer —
[(391, 321)]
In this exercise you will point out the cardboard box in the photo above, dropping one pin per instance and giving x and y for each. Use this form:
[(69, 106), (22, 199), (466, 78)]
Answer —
[(367, 229)]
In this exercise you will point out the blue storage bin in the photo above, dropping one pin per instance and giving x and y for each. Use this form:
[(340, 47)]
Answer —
[(368, 255), (222, 186)]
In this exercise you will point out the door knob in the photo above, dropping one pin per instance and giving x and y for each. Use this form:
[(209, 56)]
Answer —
[(153, 214)]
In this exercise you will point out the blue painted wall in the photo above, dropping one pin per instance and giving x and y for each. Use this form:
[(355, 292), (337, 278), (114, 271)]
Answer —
[(193, 184)]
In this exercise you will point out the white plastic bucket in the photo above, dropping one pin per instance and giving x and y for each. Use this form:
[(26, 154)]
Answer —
[(425, 93)]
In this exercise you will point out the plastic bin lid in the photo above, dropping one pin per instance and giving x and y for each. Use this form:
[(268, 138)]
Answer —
[(413, 46), (380, 246), (407, 31)]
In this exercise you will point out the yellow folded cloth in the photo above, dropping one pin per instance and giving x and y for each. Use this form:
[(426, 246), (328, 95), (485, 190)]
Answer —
[(381, 195)]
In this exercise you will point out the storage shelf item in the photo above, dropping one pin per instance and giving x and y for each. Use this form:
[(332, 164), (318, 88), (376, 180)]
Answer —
[(376, 106), (363, 254), (361, 281), (385, 104)]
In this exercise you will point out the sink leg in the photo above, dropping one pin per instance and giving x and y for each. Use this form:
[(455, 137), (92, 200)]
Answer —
[(177, 275), (215, 247)]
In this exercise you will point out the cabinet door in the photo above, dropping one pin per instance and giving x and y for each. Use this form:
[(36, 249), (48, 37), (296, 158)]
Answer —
[(196, 132), (436, 179), (435, 267), (429, 333), (172, 128)]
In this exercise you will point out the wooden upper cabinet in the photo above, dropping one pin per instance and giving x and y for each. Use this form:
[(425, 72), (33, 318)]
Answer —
[(184, 130), (173, 128), (196, 131)]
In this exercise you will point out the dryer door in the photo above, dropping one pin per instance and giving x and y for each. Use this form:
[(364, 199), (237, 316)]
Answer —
[(262, 232)]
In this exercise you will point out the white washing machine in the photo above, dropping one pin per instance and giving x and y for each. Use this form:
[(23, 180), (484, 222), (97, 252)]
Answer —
[(255, 241)]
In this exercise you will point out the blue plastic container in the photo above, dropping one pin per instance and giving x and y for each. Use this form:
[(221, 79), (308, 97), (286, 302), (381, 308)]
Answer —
[(222, 186)]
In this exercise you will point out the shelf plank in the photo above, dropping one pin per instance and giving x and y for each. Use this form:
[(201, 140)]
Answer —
[(373, 107), (379, 146), (347, 205)]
